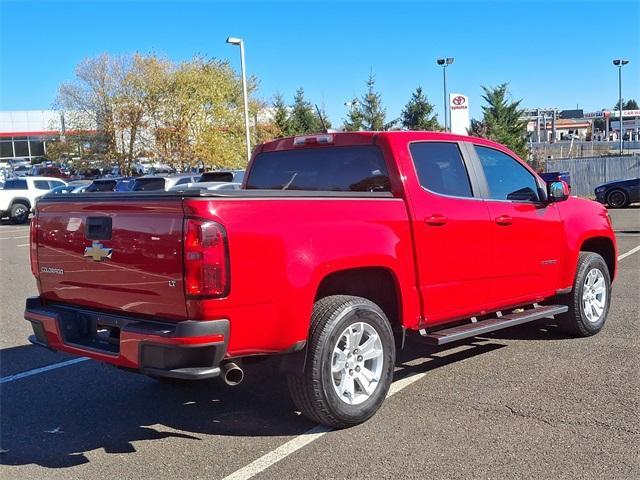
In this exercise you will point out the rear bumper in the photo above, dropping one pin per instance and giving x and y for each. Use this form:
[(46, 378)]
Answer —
[(190, 350)]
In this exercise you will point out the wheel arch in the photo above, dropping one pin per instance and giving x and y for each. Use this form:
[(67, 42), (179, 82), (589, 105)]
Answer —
[(23, 200), (375, 283), (604, 247)]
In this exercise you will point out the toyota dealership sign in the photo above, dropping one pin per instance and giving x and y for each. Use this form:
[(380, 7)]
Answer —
[(459, 113)]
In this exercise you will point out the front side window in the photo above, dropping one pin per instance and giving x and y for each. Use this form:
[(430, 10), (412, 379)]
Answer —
[(55, 183), (441, 169), (41, 184), (507, 179)]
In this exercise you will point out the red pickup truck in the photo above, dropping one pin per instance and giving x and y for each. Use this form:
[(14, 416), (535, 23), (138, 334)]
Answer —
[(336, 248)]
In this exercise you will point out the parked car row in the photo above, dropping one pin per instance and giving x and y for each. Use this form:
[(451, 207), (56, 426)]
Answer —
[(19, 195)]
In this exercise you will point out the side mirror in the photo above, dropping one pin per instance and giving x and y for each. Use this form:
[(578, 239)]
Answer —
[(558, 191)]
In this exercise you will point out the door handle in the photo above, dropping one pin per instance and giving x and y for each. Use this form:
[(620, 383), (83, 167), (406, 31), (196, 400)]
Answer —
[(436, 220), (504, 220)]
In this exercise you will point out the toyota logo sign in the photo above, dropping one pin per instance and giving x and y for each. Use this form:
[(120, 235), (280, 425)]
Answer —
[(458, 102)]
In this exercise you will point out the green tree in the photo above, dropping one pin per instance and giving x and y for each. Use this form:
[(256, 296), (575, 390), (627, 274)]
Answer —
[(354, 121), (502, 120), (418, 113), (373, 114), (628, 105), (477, 128), (281, 116), (303, 117)]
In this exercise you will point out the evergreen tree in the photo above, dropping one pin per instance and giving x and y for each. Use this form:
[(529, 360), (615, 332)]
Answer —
[(373, 114), (418, 113), (367, 113), (628, 105), (502, 120), (303, 117), (354, 121), (281, 115)]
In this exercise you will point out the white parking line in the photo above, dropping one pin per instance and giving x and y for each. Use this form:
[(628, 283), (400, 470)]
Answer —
[(35, 371), (13, 238), (23, 245), (283, 451), (630, 252)]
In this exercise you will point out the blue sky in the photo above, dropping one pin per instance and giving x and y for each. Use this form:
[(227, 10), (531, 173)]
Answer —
[(553, 54)]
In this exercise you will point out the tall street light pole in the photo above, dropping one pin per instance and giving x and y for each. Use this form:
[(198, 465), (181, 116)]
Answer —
[(618, 62), (240, 42), (444, 63)]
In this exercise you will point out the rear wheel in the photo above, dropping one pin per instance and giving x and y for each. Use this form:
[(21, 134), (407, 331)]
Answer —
[(19, 213), (617, 199), (350, 359), (590, 298)]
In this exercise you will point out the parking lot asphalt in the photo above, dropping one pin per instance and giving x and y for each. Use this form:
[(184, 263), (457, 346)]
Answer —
[(526, 402)]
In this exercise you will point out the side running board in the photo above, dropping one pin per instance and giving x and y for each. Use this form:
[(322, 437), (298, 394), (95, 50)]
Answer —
[(453, 334)]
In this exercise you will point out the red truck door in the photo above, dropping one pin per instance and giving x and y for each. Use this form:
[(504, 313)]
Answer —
[(452, 234), (527, 233)]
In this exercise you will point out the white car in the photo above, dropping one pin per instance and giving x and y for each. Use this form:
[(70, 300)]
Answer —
[(19, 196)]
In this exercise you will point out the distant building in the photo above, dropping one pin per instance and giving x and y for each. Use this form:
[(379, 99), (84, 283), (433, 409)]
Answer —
[(24, 134), (565, 129)]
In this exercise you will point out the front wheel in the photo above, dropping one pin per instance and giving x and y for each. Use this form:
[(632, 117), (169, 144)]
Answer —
[(350, 360), (19, 213), (590, 298)]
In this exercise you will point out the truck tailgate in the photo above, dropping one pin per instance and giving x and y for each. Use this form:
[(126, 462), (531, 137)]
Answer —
[(119, 255)]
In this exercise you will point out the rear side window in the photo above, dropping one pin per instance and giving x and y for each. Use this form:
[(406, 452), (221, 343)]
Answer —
[(441, 169), (41, 184), (337, 169), (148, 184), (506, 177), (15, 185)]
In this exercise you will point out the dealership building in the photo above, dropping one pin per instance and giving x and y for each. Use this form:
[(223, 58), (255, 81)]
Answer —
[(25, 133)]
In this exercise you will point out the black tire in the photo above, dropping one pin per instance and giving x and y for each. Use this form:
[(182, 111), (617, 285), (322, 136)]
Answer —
[(19, 213), (575, 321), (313, 392), (617, 198)]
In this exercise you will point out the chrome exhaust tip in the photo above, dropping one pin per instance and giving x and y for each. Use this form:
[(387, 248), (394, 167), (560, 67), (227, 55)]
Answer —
[(232, 374)]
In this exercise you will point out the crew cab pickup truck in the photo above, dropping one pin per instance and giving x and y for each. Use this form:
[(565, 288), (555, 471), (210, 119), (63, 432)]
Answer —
[(337, 247)]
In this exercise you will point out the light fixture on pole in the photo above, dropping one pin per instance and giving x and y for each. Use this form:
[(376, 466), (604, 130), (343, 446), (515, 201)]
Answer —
[(618, 62), (240, 42), (444, 63)]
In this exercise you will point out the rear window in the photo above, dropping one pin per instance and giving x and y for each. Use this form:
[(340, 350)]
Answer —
[(148, 184), (102, 186), (216, 177), (338, 169)]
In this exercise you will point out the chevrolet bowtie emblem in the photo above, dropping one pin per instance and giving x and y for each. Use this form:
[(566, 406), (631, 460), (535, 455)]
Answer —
[(97, 252)]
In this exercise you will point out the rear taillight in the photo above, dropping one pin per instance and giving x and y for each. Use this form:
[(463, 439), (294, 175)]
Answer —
[(33, 246), (206, 262)]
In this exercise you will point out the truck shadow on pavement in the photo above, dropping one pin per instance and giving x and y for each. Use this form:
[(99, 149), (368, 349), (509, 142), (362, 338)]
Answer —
[(56, 418)]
